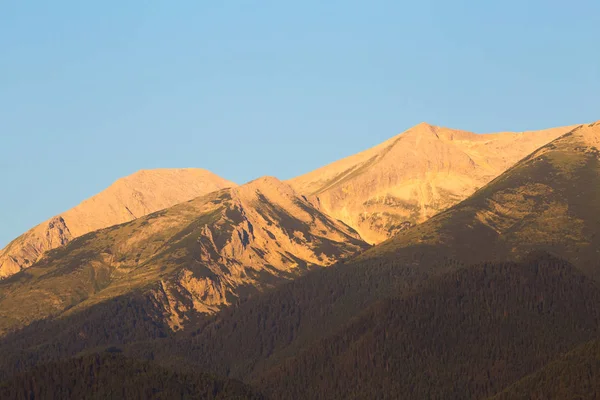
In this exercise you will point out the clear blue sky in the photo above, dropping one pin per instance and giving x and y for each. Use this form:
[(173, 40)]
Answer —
[(92, 91)]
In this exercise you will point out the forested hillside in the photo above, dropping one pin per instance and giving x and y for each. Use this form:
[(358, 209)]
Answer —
[(467, 335), (115, 322), (575, 375), (111, 376)]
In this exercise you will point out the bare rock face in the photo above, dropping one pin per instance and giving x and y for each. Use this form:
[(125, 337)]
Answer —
[(196, 256), (128, 198), (262, 233), (29, 247), (413, 176)]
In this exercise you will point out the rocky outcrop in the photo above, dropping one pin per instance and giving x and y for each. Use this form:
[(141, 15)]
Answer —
[(265, 234), (128, 198), (413, 176), (28, 248)]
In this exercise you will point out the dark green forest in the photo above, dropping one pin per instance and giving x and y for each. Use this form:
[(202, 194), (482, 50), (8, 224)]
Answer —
[(468, 335), (112, 376), (574, 375)]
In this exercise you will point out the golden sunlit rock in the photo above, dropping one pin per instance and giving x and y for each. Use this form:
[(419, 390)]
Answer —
[(414, 175)]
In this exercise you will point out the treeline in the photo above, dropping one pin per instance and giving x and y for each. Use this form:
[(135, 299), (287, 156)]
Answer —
[(110, 376)]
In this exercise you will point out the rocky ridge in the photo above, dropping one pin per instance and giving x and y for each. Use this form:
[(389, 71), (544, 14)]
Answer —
[(193, 257)]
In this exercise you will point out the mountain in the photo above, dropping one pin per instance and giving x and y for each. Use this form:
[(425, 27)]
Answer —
[(110, 375), (414, 175), (193, 257), (128, 198), (548, 201)]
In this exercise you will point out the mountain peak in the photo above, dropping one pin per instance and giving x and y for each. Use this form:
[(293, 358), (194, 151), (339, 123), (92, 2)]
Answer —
[(200, 254), (422, 129), (424, 125), (414, 175), (143, 175), (425, 130)]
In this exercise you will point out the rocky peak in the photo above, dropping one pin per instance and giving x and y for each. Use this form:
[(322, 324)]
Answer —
[(422, 129)]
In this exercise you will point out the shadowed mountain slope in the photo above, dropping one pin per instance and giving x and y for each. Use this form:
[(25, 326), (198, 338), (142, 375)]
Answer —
[(414, 175), (466, 335), (111, 376), (575, 375), (193, 257), (128, 198)]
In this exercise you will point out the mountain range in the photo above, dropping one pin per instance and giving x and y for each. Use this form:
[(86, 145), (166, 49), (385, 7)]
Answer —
[(438, 264)]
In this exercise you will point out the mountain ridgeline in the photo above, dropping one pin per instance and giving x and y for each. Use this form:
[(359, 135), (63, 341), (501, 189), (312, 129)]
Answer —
[(415, 175), (127, 199), (485, 283)]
